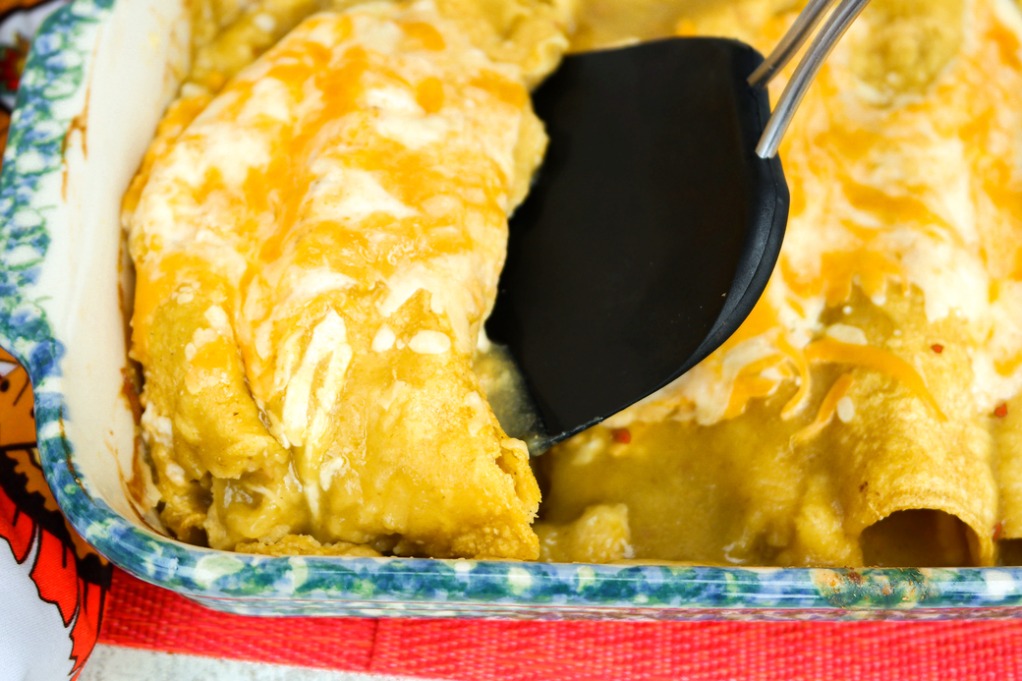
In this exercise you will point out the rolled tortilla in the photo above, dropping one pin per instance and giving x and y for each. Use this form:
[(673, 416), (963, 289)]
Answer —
[(316, 252)]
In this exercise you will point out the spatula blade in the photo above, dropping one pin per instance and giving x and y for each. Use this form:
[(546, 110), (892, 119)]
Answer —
[(650, 231)]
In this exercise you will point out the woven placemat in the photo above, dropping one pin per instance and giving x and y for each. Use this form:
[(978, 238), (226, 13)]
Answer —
[(141, 615)]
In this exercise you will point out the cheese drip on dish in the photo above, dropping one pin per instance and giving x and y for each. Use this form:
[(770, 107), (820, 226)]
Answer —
[(316, 251)]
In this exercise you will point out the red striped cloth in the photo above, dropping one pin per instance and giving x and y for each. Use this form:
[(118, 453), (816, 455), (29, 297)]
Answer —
[(143, 616)]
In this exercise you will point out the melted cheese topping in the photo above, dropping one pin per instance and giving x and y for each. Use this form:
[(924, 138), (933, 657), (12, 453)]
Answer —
[(308, 214), (346, 197), (911, 181)]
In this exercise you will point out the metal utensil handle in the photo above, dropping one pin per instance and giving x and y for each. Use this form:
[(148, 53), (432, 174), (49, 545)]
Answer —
[(796, 36), (835, 26)]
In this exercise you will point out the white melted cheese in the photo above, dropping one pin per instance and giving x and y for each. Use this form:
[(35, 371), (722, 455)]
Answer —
[(430, 343), (326, 358)]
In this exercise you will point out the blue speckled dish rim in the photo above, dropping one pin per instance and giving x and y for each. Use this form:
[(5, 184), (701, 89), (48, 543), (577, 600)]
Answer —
[(53, 86)]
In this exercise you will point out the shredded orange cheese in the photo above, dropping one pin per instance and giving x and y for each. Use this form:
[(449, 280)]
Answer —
[(828, 407), (875, 359)]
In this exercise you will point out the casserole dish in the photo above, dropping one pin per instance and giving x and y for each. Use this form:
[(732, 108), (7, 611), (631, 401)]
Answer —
[(100, 74)]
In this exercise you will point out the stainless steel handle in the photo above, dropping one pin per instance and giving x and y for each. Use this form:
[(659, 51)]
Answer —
[(835, 26)]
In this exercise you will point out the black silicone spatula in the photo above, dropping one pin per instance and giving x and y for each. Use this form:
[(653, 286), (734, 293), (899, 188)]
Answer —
[(650, 231)]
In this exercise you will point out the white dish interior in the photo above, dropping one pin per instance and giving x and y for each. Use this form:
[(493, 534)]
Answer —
[(141, 55)]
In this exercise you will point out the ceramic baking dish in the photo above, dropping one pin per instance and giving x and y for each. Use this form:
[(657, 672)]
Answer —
[(98, 78)]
